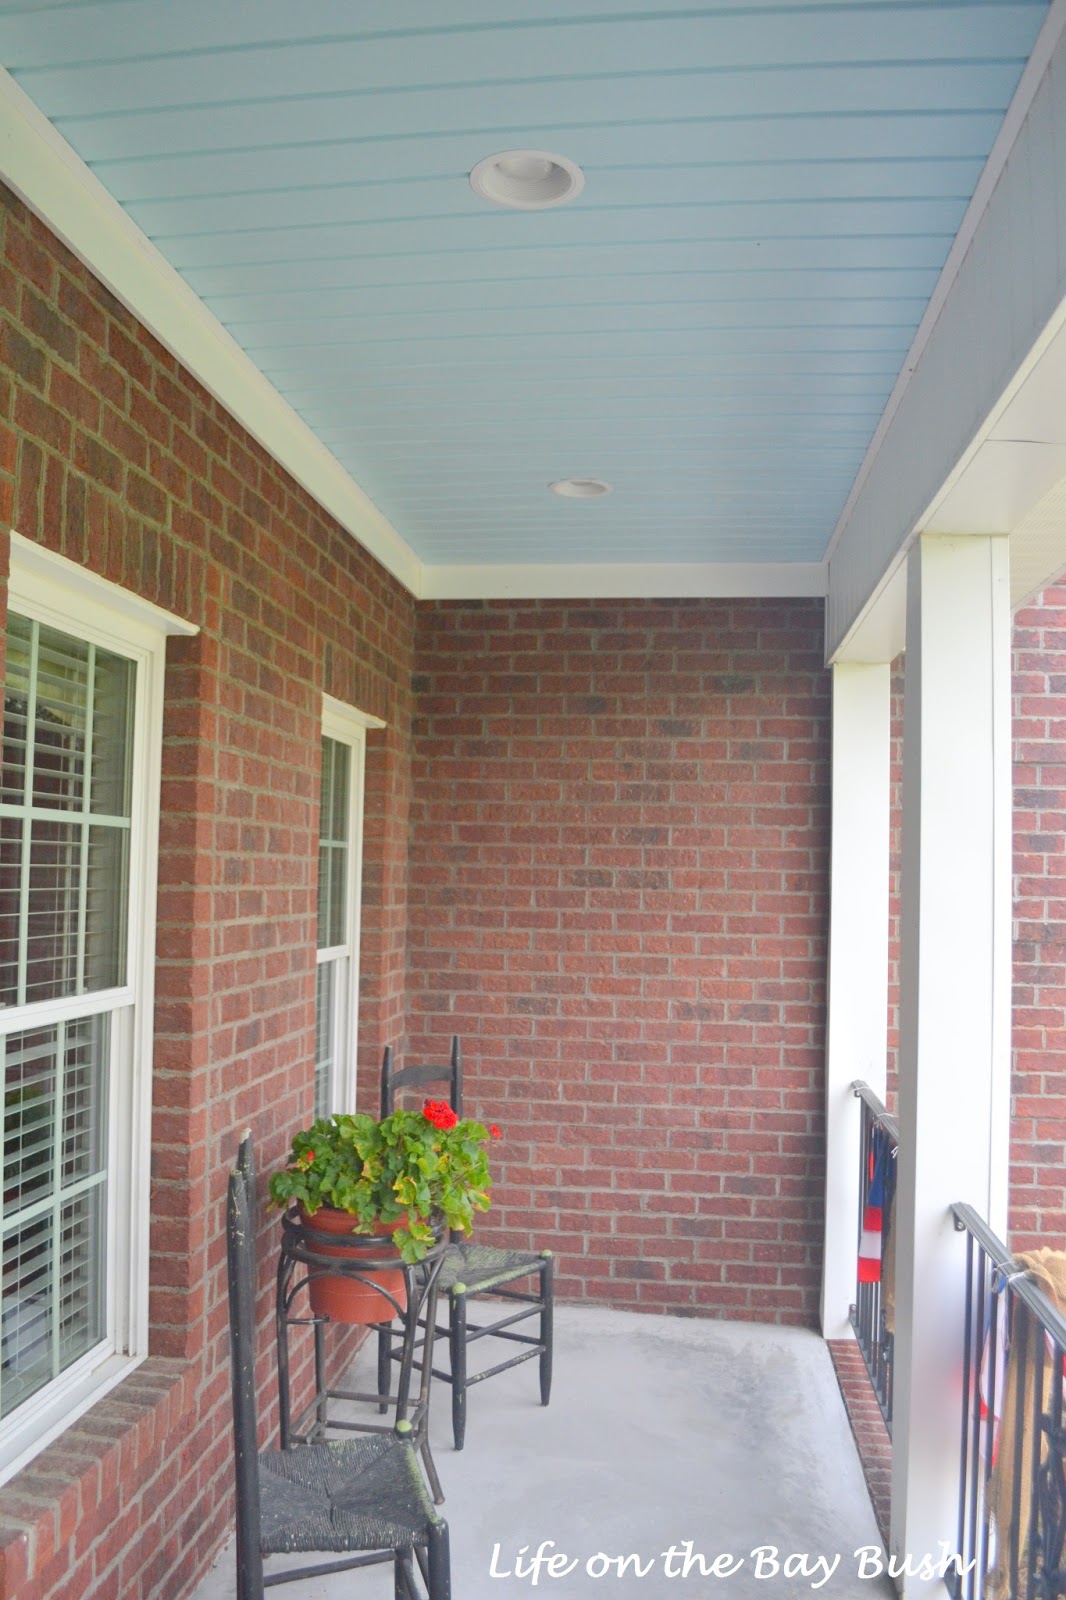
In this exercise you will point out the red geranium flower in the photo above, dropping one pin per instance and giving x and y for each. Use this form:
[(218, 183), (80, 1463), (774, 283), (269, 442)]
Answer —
[(440, 1113), (494, 1132)]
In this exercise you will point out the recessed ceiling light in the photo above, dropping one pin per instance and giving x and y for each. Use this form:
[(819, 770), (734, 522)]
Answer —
[(580, 488), (528, 180)]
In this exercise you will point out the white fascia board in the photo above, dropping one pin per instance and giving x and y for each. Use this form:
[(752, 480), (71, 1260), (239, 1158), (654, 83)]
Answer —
[(635, 580), (881, 632), (42, 169), (999, 301)]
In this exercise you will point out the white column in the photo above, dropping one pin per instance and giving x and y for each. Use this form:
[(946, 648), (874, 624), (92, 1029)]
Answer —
[(857, 1000), (954, 1058)]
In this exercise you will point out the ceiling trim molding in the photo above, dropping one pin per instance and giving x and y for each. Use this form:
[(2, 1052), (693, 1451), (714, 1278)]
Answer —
[(46, 173), (637, 580), (1014, 119)]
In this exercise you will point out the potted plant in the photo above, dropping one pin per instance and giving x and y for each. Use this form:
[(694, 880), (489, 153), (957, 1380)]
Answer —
[(409, 1175)]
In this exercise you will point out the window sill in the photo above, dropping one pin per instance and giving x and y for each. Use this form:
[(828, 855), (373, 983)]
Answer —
[(71, 1482), (46, 1416)]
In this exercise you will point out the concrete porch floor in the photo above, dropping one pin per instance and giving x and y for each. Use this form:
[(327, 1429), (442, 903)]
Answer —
[(661, 1431)]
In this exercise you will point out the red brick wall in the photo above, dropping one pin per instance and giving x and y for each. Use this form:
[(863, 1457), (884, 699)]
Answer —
[(1038, 1125), (115, 457), (1038, 1131), (618, 880)]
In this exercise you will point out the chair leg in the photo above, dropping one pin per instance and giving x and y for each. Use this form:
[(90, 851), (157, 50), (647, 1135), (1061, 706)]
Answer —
[(284, 1393), (547, 1327), (431, 1469), (403, 1582), (249, 1562), (440, 1567), (322, 1406), (384, 1365), (457, 1348)]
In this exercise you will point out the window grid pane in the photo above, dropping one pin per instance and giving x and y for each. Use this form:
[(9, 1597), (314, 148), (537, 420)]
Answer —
[(333, 843), (52, 1276), (112, 747), (334, 867), (325, 1034), (325, 789), (79, 1317), (26, 1302), (30, 1094), (60, 731), (10, 886), (68, 712), (18, 711), (50, 947)]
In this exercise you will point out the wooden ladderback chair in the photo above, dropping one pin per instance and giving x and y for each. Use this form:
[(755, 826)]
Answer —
[(472, 1272), (363, 1499)]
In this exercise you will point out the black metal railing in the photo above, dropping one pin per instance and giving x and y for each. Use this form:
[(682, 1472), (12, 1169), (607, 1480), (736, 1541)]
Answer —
[(1012, 1488), (872, 1313)]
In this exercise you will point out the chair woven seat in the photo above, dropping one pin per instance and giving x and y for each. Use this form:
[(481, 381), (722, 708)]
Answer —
[(481, 1266), (362, 1494)]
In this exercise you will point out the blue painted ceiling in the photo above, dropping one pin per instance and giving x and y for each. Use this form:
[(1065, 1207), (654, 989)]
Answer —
[(713, 325)]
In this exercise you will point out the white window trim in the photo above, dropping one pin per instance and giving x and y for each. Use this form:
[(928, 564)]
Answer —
[(53, 590), (348, 726)]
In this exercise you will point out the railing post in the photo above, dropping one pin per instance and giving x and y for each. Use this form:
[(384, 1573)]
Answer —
[(857, 1019), (954, 1079)]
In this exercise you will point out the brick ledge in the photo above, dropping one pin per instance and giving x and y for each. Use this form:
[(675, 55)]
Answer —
[(41, 1506), (868, 1426)]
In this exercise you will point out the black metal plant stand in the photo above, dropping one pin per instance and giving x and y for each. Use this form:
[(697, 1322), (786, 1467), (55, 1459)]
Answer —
[(301, 1262)]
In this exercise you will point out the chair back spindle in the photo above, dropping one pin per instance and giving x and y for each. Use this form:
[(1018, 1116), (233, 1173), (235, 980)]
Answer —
[(246, 1168), (423, 1077)]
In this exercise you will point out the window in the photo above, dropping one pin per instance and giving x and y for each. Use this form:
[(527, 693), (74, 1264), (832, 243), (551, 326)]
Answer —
[(79, 785), (340, 840)]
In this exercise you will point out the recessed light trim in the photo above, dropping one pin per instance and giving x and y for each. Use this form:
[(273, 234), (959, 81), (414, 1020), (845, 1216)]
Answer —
[(580, 488), (527, 180)]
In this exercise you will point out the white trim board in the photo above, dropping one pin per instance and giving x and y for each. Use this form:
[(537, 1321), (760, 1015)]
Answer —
[(42, 169), (627, 580), (341, 714)]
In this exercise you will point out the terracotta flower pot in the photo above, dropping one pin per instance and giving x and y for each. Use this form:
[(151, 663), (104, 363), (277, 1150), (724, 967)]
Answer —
[(351, 1299)]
